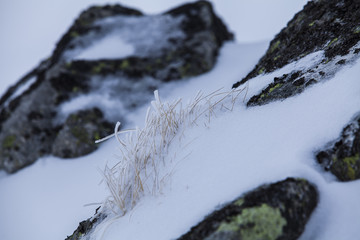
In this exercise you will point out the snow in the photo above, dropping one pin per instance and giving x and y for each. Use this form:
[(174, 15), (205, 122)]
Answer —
[(47, 199), (112, 47), (211, 165), (139, 36), (22, 88), (249, 147)]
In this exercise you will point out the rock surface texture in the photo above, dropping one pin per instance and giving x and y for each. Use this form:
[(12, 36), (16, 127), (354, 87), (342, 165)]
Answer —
[(276, 211), (37, 116), (342, 157), (86, 226), (328, 33), (328, 26)]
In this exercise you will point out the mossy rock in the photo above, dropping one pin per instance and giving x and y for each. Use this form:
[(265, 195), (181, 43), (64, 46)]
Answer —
[(9, 142), (329, 26), (342, 158), (276, 211), (281, 88), (78, 134), (321, 25)]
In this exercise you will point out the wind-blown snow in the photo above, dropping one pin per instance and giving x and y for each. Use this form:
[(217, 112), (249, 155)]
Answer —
[(124, 36), (22, 88), (29, 211), (112, 47), (237, 152), (249, 147)]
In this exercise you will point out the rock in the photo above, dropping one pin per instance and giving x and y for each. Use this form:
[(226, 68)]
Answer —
[(342, 157), (276, 211), (37, 115), (85, 227), (76, 135), (330, 26)]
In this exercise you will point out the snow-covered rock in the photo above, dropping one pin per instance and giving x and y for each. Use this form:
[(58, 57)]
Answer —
[(135, 55), (326, 35), (328, 26), (277, 211), (342, 157)]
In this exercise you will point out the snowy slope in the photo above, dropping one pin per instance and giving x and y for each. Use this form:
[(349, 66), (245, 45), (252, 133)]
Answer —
[(235, 153), (60, 200), (243, 149)]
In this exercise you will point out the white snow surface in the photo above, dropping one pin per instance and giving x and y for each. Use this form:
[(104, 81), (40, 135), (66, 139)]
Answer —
[(141, 36), (111, 47), (210, 166), (241, 150)]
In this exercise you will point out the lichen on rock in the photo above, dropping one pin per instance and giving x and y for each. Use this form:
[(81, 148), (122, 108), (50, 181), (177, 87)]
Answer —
[(79, 132), (261, 222), (328, 27), (275, 211), (342, 157)]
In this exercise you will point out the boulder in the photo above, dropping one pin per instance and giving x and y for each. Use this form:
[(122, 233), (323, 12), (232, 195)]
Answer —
[(275, 211), (71, 98), (342, 157), (328, 26)]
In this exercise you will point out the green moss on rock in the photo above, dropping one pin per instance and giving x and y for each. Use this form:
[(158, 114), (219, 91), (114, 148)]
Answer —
[(124, 64), (74, 34), (275, 211), (274, 46), (346, 169), (332, 42), (263, 222), (274, 87), (357, 30), (351, 163), (98, 68), (81, 134), (261, 71), (9, 141)]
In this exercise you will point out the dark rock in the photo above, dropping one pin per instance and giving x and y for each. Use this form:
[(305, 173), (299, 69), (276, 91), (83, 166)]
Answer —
[(77, 135), (331, 26), (281, 88), (342, 157), (85, 24), (85, 227), (183, 42), (276, 211), (342, 61)]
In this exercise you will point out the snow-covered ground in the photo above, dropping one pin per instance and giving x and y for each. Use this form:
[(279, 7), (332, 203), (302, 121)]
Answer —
[(236, 152)]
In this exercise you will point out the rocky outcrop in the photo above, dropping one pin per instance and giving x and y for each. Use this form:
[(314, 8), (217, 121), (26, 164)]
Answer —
[(328, 34), (275, 211), (328, 26), (85, 227), (62, 106), (342, 157)]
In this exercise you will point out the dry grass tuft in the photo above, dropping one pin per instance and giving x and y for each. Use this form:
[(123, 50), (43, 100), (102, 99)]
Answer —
[(143, 150)]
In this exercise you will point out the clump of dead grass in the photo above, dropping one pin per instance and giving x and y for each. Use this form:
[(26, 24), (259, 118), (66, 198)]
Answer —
[(143, 150)]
